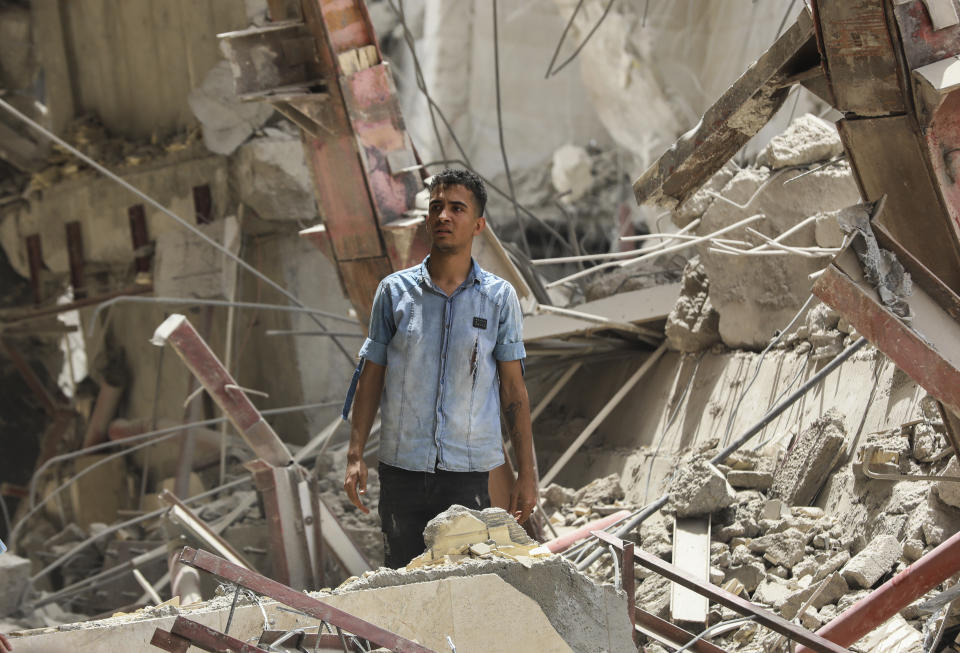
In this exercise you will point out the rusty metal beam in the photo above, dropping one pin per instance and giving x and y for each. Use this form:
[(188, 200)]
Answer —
[(185, 517), (925, 348), (75, 256), (222, 387), (20, 315), (732, 601), (139, 237), (35, 261), (209, 639), (169, 642), (303, 602), (666, 632)]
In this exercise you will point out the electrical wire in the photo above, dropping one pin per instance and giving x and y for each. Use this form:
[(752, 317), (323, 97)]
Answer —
[(550, 70), (503, 149)]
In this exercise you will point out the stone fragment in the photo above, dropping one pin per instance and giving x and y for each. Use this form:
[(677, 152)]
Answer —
[(809, 512), (454, 530), (750, 479), (271, 177), (809, 463), (780, 572), (949, 492), (810, 619), (14, 575), (912, 550), (730, 531), (774, 509), (772, 591), (600, 491), (698, 489), (933, 521), (787, 549), (895, 635), (571, 172), (868, 566), (716, 575), (693, 324), (807, 567), (836, 561), (807, 140), (834, 588), (749, 575), (555, 496)]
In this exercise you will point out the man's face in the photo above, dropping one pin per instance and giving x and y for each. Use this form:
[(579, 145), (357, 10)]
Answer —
[(452, 218)]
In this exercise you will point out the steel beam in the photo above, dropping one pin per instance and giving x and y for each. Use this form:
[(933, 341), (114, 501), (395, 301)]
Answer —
[(925, 347), (732, 601), (663, 631), (209, 639), (222, 387), (298, 600), (169, 642)]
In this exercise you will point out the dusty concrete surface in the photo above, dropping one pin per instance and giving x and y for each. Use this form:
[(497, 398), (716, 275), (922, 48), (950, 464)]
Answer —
[(699, 489), (588, 616), (810, 461)]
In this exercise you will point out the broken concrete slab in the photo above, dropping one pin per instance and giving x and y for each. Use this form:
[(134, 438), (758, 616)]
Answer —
[(750, 479), (867, 567), (699, 488), (807, 140), (832, 589), (227, 121), (693, 324), (949, 492), (14, 576), (810, 461), (272, 178)]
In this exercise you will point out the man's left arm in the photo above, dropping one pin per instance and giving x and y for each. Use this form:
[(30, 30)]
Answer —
[(516, 410)]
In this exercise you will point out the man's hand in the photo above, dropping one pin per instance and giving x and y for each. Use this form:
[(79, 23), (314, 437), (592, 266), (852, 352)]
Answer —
[(523, 499), (5, 645), (355, 483)]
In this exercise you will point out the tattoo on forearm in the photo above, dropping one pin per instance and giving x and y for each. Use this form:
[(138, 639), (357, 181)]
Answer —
[(512, 412)]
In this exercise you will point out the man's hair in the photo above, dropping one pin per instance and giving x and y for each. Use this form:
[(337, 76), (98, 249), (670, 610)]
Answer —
[(460, 177)]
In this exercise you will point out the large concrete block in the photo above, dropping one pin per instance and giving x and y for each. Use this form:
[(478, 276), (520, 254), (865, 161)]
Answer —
[(810, 461), (14, 574), (868, 566)]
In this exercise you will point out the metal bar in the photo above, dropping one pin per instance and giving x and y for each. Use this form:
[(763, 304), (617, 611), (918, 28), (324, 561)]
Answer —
[(298, 600), (208, 639), (602, 415), (201, 530), (18, 316), (668, 633), (203, 204), (208, 369), (888, 599), (629, 583), (35, 261), (191, 301), (169, 642), (50, 405), (75, 256), (732, 601)]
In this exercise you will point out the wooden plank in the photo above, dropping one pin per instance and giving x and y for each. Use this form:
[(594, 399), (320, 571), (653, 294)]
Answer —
[(860, 57), (888, 160), (925, 348), (691, 553), (634, 307), (733, 119)]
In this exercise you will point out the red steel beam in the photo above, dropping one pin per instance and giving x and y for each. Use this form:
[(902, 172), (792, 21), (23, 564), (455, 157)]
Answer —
[(298, 600), (673, 633), (926, 348), (732, 601), (888, 599), (75, 256), (209, 639), (169, 642), (208, 369)]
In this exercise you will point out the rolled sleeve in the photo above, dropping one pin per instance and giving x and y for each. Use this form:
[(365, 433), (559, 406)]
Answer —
[(381, 329), (509, 345)]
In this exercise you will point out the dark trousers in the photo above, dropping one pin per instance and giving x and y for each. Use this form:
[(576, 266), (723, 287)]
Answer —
[(408, 500)]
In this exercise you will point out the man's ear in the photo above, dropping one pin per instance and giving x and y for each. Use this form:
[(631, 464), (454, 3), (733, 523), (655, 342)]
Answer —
[(479, 226)]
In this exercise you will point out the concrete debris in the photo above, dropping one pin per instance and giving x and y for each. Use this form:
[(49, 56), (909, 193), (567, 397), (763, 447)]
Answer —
[(601, 491), (227, 121), (810, 461), (807, 140), (693, 324), (699, 489), (271, 176), (949, 491), (570, 173), (14, 575), (895, 636), (460, 533), (867, 567)]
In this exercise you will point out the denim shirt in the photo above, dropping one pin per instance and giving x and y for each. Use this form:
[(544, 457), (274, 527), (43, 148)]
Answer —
[(440, 407)]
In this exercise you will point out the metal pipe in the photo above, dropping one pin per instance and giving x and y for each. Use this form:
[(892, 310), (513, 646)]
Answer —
[(739, 442), (160, 207), (137, 299), (888, 599), (563, 542)]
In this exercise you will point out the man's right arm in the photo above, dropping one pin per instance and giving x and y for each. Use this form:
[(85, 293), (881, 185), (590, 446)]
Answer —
[(365, 404)]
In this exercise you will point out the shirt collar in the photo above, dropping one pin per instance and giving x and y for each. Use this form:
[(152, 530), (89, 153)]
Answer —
[(473, 276)]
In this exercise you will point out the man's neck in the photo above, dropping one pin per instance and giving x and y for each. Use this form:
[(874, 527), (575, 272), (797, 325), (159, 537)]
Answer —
[(449, 270)]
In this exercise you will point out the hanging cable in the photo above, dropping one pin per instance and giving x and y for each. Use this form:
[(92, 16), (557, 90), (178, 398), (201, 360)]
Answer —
[(550, 70)]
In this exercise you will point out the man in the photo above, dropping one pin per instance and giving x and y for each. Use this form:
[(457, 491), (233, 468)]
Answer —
[(443, 355)]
